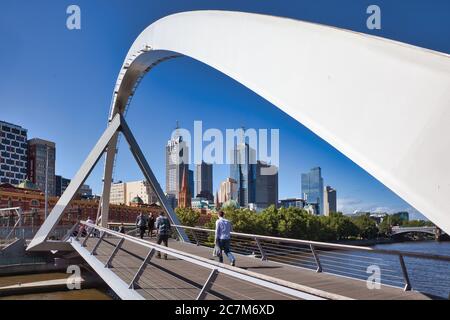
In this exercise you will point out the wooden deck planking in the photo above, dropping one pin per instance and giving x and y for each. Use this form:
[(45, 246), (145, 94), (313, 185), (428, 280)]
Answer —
[(158, 280)]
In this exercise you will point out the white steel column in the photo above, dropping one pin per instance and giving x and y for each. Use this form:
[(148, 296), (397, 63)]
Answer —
[(107, 179), (81, 176)]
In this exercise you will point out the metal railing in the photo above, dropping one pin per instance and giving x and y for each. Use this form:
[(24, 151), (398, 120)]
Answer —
[(83, 235), (17, 221), (344, 260)]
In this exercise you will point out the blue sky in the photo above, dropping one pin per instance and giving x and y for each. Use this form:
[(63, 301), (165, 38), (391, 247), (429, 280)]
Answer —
[(58, 83)]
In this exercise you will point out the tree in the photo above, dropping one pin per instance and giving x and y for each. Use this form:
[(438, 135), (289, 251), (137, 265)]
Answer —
[(367, 227), (243, 220), (418, 223), (188, 216), (342, 227), (268, 221)]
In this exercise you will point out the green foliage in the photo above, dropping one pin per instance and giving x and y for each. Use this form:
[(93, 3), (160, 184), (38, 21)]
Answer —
[(269, 220), (290, 223), (187, 216), (367, 227), (299, 224), (342, 227), (417, 223)]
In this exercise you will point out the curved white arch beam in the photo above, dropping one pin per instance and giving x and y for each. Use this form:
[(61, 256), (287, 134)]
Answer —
[(383, 104)]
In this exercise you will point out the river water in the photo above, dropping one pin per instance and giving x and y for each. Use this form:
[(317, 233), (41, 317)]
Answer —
[(428, 276)]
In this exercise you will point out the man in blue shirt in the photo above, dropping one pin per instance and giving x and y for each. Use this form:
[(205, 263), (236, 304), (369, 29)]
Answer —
[(163, 228), (223, 236)]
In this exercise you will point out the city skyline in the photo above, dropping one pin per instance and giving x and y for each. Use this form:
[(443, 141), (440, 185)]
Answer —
[(182, 87), (241, 150)]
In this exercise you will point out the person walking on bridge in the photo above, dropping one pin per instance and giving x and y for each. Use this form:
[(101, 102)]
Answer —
[(223, 237), (163, 229), (141, 224), (151, 224)]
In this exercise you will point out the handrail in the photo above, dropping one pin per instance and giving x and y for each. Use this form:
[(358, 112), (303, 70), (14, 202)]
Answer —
[(272, 283), (18, 211), (9, 209), (330, 245)]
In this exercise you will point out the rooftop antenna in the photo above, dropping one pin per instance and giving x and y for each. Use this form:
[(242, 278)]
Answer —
[(177, 129), (242, 137)]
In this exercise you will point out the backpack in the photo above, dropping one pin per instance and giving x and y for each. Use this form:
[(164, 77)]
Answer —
[(164, 225)]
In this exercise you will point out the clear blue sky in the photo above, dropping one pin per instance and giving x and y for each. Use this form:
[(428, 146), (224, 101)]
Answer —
[(58, 84)]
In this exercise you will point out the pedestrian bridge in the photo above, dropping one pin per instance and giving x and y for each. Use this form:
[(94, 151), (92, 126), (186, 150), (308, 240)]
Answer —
[(335, 82), (267, 267)]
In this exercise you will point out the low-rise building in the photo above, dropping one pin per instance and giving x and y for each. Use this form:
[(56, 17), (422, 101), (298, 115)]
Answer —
[(125, 192), (292, 203), (32, 202)]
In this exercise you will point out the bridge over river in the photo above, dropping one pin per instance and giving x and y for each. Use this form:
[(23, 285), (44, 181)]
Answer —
[(274, 57), (266, 268), (433, 230)]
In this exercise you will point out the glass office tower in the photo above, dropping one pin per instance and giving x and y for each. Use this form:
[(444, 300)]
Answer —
[(243, 171), (312, 188)]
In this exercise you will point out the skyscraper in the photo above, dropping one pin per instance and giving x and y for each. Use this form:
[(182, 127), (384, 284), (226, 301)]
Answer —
[(61, 185), (266, 186), (177, 159), (204, 181), (41, 164), (191, 182), (243, 171), (13, 153), (329, 200), (312, 188), (228, 191)]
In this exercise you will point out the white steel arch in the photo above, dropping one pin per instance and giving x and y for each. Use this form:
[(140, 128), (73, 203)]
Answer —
[(383, 104)]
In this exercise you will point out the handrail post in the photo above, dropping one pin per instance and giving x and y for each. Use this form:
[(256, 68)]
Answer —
[(261, 250), (141, 269), (208, 284), (69, 232), (405, 273), (97, 244), (316, 258), (88, 235), (113, 254), (196, 238)]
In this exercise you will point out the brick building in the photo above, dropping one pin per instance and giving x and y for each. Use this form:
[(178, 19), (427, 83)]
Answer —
[(32, 203)]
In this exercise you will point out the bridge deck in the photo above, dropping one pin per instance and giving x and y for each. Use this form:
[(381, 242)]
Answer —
[(177, 279)]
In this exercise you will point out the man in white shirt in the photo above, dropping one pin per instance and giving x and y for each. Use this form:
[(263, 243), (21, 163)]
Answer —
[(223, 236), (89, 220)]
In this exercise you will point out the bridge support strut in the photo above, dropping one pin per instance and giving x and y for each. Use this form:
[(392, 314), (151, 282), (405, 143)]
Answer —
[(107, 139), (208, 284)]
